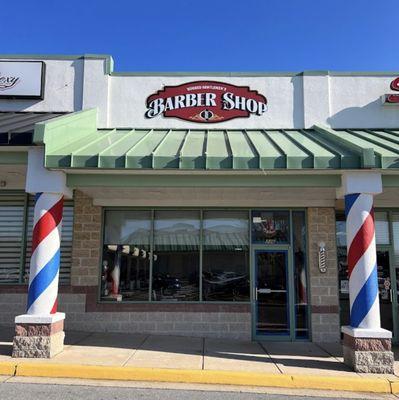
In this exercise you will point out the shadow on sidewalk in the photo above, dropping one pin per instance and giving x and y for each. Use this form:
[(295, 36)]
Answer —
[(152, 348)]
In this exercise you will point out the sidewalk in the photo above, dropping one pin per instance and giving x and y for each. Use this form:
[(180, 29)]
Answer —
[(197, 360)]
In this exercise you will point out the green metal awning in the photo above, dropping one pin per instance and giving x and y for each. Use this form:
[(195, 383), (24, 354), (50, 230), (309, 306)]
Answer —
[(73, 141)]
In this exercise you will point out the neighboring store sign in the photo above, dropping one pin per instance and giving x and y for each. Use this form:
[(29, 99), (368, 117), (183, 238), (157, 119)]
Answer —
[(393, 98), (22, 79), (206, 102)]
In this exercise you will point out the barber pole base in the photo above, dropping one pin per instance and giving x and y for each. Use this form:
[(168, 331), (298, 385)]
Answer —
[(38, 336), (368, 351)]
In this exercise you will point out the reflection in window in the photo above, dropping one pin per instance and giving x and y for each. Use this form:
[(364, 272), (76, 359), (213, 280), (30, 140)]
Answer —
[(343, 286), (177, 256), (300, 279), (270, 227), (381, 227), (225, 273), (395, 238), (272, 292), (126, 252), (340, 226)]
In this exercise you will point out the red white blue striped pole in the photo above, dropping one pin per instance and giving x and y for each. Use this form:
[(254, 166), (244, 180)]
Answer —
[(362, 261), (366, 346), (45, 259)]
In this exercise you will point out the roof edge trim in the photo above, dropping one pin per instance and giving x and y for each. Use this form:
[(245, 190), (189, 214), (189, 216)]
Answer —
[(52, 133), (109, 62)]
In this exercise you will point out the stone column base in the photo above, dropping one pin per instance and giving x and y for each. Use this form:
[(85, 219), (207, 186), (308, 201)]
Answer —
[(368, 350), (38, 336)]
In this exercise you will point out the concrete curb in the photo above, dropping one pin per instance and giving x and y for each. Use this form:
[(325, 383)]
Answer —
[(7, 368), (372, 385)]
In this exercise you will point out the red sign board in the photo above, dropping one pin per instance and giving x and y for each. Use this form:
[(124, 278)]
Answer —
[(206, 102), (393, 98)]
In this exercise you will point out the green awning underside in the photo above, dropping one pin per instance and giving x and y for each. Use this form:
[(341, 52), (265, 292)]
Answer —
[(70, 145)]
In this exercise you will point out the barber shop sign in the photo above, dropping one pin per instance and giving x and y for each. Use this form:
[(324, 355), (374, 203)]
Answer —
[(393, 98), (206, 102)]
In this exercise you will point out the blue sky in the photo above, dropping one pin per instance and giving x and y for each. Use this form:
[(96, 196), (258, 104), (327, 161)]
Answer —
[(203, 35)]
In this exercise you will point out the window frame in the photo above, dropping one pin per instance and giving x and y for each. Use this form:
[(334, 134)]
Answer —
[(152, 210)]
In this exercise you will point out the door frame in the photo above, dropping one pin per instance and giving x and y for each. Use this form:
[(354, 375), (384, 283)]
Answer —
[(392, 273), (286, 248)]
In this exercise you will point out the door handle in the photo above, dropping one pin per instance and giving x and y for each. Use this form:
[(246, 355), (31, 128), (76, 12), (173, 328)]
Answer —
[(278, 291), (265, 291)]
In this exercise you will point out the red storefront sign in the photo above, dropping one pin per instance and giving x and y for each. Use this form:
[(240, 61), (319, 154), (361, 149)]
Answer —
[(206, 102), (393, 98)]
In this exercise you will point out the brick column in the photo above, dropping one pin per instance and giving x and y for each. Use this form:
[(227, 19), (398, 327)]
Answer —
[(323, 286), (86, 245)]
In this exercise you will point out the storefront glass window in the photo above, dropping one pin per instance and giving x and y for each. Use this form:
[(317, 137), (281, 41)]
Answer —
[(11, 233), (225, 273), (168, 255), (126, 256), (343, 280), (176, 256), (300, 277), (341, 231), (381, 227), (270, 227), (395, 239)]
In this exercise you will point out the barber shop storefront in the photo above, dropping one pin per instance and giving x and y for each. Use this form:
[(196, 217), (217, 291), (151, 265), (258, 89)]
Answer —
[(239, 206), (214, 256)]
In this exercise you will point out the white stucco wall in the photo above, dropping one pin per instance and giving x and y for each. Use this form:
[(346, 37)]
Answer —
[(95, 91), (355, 102), (294, 101)]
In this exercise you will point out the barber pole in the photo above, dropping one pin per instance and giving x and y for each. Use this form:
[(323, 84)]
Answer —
[(116, 272), (362, 261), (303, 297), (45, 259)]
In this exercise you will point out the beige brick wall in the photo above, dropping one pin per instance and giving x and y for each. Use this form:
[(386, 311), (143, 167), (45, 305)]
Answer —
[(86, 241), (323, 286), (230, 325), (200, 324)]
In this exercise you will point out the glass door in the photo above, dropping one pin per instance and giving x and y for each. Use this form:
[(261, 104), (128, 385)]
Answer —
[(272, 294), (395, 268), (386, 288)]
